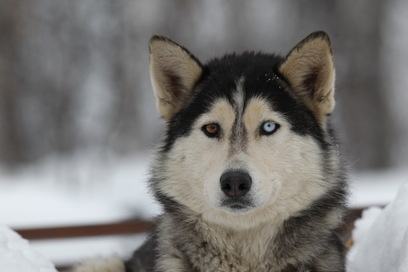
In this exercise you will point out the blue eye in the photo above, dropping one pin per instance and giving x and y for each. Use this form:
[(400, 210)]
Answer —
[(268, 128)]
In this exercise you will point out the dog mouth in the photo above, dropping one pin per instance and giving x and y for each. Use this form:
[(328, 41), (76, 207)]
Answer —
[(237, 205)]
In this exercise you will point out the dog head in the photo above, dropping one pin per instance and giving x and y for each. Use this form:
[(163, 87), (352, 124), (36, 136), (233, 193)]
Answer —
[(247, 139)]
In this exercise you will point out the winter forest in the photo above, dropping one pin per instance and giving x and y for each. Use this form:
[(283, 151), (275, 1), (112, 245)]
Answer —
[(78, 121), (75, 73)]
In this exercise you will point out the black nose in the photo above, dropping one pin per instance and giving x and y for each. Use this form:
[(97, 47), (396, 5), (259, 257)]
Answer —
[(235, 184)]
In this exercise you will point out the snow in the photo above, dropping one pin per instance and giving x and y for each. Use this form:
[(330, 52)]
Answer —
[(72, 191), (70, 251), (376, 188), (17, 255), (381, 238), (78, 191), (84, 190)]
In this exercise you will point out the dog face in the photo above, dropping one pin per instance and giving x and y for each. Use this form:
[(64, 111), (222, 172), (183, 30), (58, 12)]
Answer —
[(246, 137)]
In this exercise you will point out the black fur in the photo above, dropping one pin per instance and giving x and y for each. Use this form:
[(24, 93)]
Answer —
[(144, 257), (261, 78)]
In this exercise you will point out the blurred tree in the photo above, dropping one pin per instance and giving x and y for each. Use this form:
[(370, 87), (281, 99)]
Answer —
[(366, 121), (11, 144), (74, 74), (362, 113)]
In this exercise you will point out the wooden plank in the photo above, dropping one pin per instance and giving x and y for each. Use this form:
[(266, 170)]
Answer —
[(138, 226), (133, 227), (120, 228)]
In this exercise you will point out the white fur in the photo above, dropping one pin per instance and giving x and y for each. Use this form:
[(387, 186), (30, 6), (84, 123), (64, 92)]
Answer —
[(285, 167), (111, 264)]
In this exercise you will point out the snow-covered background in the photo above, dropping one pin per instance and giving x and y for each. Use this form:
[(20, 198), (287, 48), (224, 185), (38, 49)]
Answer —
[(77, 115), (119, 192), (112, 191)]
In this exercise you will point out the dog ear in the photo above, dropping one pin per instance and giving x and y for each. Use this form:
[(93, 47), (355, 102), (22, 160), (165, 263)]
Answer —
[(174, 73), (310, 71)]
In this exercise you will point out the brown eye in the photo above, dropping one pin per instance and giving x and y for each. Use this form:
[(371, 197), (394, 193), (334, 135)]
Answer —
[(211, 130)]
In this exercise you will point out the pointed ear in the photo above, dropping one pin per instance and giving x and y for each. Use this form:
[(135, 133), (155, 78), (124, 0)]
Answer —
[(310, 72), (174, 73)]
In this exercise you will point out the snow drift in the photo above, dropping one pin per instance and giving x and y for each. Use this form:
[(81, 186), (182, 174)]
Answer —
[(381, 238), (17, 255)]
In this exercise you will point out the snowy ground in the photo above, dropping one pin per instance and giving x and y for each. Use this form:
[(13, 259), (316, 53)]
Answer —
[(78, 191), (17, 255), (83, 190), (381, 238)]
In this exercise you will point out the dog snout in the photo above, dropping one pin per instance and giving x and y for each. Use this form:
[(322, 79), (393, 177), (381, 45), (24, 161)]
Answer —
[(235, 184)]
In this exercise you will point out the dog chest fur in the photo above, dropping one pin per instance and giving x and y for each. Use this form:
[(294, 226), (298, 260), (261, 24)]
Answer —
[(196, 245)]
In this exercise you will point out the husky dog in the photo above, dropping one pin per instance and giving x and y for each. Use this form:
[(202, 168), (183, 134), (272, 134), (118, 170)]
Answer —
[(248, 172)]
